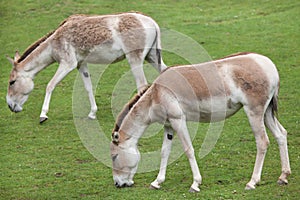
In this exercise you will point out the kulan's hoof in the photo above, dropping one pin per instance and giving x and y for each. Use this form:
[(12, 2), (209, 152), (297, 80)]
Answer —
[(249, 187), (193, 190), (282, 182), (153, 188), (43, 119), (92, 116)]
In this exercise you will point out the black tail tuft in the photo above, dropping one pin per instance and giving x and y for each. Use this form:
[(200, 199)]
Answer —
[(158, 54), (274, 104)]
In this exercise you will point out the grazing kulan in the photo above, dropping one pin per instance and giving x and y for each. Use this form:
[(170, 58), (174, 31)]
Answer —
[(207, 92), (82, 39)]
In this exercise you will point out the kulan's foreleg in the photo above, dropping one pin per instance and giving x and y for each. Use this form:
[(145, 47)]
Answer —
[(165, 153), (86, 78), (61, 72)]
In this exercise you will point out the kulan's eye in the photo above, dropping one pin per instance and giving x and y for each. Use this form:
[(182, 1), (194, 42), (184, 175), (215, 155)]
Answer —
[(12, 82), (113, 157)]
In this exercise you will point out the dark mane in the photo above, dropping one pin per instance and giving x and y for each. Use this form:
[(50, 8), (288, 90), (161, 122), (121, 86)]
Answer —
[(235, 54), (127, 108), (32, 47)]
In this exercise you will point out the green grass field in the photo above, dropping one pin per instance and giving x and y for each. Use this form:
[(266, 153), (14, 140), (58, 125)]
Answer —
[(49, 161)]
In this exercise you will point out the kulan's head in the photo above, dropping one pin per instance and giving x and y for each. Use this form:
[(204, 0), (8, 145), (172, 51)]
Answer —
[(19, 86), (125, 158)]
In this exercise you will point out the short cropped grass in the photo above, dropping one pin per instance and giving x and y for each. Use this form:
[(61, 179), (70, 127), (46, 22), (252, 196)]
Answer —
[(49, 161)]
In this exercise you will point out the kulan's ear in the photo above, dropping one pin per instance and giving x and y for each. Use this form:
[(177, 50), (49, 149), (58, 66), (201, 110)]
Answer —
[(17, 56), (10, 59), (115, 137)]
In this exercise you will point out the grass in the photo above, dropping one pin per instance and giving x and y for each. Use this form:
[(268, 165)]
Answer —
[(49, 161)]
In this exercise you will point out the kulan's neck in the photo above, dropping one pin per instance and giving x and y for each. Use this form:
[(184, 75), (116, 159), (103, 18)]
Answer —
[(136, 121), (134, 130), (38, 60)]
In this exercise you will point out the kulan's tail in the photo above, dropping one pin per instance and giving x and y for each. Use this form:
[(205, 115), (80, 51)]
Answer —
[(160, 62), (273, 105)]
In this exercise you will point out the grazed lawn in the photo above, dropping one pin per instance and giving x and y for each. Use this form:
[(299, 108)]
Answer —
[(49, 161)]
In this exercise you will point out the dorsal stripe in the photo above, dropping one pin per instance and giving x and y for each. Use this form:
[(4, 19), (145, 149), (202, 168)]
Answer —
[(235, 54)]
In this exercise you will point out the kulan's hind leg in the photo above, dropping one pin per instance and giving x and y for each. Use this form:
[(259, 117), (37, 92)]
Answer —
[(262, 142), (280, 135), (135, 61), (154, 57)]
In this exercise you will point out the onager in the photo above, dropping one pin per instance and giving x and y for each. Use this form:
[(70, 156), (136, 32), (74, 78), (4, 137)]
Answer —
[(207, 92), (82, 39)]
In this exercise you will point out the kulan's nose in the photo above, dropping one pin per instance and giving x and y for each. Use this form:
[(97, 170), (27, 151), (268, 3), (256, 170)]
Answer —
[(11, 107), (14, 107), (121, 186)]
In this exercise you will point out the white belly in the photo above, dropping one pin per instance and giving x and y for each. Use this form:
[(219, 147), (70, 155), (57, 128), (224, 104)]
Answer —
[(105, 54), (212, 110)]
